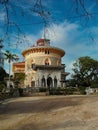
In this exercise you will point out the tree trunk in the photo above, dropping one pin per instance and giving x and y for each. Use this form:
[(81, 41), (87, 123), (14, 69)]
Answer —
[(9, 76)]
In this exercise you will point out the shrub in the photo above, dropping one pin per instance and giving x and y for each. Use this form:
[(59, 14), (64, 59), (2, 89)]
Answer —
[(20, 92), (82, 90), (62, 90), (2, 86), (43, 89)]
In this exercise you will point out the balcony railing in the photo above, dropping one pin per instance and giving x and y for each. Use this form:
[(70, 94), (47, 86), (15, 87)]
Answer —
[(48, 67)]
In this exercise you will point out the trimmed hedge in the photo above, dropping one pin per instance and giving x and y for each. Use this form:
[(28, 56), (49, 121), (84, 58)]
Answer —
[(62, 91), (2, 86), (43, 89)]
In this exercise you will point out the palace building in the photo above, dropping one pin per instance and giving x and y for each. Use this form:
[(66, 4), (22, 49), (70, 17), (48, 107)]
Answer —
[(42, 65)]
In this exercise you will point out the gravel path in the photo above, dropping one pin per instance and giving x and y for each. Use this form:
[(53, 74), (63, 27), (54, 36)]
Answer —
[(50, 113)]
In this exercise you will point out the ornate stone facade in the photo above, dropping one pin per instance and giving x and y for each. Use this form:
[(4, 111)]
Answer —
[(43, 65)]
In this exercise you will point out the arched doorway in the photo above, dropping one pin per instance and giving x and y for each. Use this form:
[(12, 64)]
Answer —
[(33, 83), (55, 81), (43, 81), (49, 82)]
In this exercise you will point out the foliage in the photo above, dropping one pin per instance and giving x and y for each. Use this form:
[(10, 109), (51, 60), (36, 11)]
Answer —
[(10, 57), (19, 79), (85, 71), (62, 90), (42, 89), (2, 74), (20, 76), (71, 82), (4, 96), (2, 86), (20, 92), (82, 89)]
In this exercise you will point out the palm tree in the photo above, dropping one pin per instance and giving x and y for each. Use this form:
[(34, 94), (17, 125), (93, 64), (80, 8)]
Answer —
[(10, 57)]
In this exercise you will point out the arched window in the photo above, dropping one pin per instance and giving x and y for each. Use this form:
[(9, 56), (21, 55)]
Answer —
[(49, 82), (47, 52), (32, 64), (47, 62)]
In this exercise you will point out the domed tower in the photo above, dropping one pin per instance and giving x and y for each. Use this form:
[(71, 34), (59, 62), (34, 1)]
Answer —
[(43, 65)]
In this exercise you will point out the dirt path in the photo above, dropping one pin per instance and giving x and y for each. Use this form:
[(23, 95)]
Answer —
[(50, 113)]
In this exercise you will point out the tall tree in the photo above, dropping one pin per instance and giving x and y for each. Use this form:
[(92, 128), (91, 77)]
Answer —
[(10, 57), (85, 71), (19, 79)]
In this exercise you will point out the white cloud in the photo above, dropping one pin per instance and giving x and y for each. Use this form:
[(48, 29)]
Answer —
[(74, 41), (59, 33), (69, 37)]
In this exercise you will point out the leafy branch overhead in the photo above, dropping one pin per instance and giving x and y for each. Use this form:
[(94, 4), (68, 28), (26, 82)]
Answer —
[(17, 15), (13, 12)]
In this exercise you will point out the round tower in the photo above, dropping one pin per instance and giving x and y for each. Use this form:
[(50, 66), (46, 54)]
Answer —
[(42, 63)]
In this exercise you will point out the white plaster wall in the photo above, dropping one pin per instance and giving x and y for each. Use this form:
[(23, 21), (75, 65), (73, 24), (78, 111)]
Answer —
[(51, 73), (39, 59)]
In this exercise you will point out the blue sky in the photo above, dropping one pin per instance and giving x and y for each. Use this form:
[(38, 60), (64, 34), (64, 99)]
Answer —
[(68, 27)]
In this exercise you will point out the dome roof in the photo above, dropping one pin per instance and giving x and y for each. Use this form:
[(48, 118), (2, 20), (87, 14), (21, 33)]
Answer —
[(43, 42)]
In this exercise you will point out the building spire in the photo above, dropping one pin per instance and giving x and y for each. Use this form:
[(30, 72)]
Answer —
[(45, 31)]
